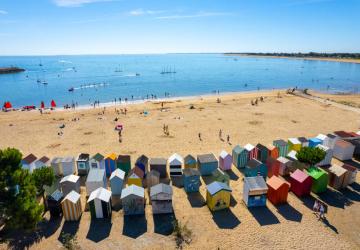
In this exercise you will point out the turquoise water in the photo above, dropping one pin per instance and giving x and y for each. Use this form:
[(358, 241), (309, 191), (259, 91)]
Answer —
[(196, 74)]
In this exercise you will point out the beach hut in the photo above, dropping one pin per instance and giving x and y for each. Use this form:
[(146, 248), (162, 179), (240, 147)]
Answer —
[(117, 181), (161, 198), (218, 196), (343, 150), (343, 134), (159, 164), (337, 177), (320, 179), (143, 163), (263, 152), (28, 162), (328, 155), (54, 203), (100, 203), (255, 168), (251, 150), (282, 146), (220, 176), (304, 141), (110, 164), (152, 178), (69, 183), (278, 190), (225, 161), (273, 151), (240, 156), (124, 163), (292, 155), (313, 142), (97, 161), (255, 191), (83, 164), (285, 166), (273, 166), (135, 177), (56, 166), (133, 200), (351, 174), (330, 141), (53, 104), (68, 166), (321, 137), (95, 179), (71, 206), (190, 162), (294, 144), (191, 180), (175, 165), (300, 183), (42, 162), (356, 143), (207, 163)]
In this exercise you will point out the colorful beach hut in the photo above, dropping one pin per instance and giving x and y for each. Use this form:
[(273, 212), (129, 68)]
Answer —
[(321, 137), (255, 191), (328, 155), (133, 200), (190, 162), (218, 196), (273, 151), (175, 162), (152, 178), (285, 166), (304, 141), (356, 143), (343, 150), (95, 179), (263, 152), (351, 174), (330, 141), (313, 142), (220, 176), (68, 165), (251, 150), (110, 164), (56, 166), (337, 177), (143, 163), (191, 179), (225, 161), (273, 166), (100, 203), (282, 146), (300, 183), (54, 203), (278, 190), (207, 163), (83, 164), (42, 162), (292, 155), (28, 162), (294, 144), (97, 161), (71, 206), (240, 156), (70, 183), (320, 179), (255, 168), (124, 163), (159, 164), (117, 181), (135, 177), (161, 198)]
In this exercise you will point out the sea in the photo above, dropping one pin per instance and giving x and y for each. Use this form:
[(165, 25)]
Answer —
[(88, 78)]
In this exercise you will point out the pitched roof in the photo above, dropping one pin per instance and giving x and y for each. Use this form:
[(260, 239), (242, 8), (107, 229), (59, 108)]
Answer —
[(253, 163), (302, 139), (224, 154), (175, 159), (70, 178), (207, 158), (118, 173), (44, 159), (275, 182), (157, 161), (29, 159), (73, 196), (261, 147), (111, 156), (218, 172), (136, 171), (83, 157), (95, 175), (315, 140), (101, 194), (283, 160), (255, 183), (98, 157), (332, 136), (249, 147), (299, 175), (342, 133), (343, 144), (124, 158), (142, 159), (316, 173), (337, 170), (161, 188), (67, 159), (57, 195), (294, 140), (321, 137), (216, 187), (280, 142), (190, 172), (56, 160), (133, 190), (292, 155), (189, 159), (238, 149)]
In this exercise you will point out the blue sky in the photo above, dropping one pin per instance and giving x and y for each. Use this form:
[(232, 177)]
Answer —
[(53, 27)]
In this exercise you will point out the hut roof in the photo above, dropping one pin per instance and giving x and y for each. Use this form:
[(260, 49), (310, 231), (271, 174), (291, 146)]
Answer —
[(303, 139), (332, 136), (294, 141), (280, 142), (207, 158), (175, 159), (70, 178), (72, 197), (283, 160), (343, 144), (153, 173), (249, 147), (123, 158), (261, 147), (133, 190), (29, 159), (323, 147), (161, 188), (189, 159), (44, 159), (342, 133), (216, 187), (238, 149), (95, 175), (111, 156), (299, 175), (83, 157), (292, 155), (157, 161), (101, 194), (253, 163), (98, 157), (143, 159), (67, 159), (56, 160), (118, 173), (224, 154), (256, 183), (315, 140), (136, 171), (191, 172), (275, 182), (218, 172), (316, 173), (56, 196), (321, 137), (337, 170)]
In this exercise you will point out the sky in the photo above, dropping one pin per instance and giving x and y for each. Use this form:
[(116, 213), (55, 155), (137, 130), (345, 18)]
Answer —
[(66, 27)]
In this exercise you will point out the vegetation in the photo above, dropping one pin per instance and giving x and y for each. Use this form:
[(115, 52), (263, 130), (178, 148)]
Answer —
[(310, 156), (11, 70), (41, 177), (69, 241), (18, 207), (182, 234), (306, 55)]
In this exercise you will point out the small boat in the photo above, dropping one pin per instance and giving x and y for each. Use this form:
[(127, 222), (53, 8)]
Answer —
[(71, 89), (38, 81), (44, 82), (137, 74)]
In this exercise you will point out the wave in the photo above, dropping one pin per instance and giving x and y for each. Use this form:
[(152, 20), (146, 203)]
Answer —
[(64, 61)]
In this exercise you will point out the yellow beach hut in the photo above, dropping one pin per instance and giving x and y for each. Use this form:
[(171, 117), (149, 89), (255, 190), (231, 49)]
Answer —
[(136, 176), (71, 206), (294, 144), (218, 196)]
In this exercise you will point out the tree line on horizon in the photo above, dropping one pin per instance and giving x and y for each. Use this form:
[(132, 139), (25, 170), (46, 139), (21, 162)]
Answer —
[(310, 54)]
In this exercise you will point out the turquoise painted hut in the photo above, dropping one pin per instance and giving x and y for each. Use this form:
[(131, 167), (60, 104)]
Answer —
[(263, 152), (282, 146), (207, 163), (255, 168), (191, 179), (313, 142), (240, 156)]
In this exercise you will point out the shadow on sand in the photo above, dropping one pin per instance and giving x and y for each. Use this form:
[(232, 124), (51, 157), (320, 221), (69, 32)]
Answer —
[(289, 212), (69, 227), (177, 181), (225, 219), (233, 175), (196, 199), (335, 198), (332, 227), (353, 163), (207, 179), (134, 225), (264, 216), (99, 229), (163, 223)]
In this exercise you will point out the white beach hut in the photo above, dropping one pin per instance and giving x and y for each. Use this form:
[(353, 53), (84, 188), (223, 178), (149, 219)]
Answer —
[(328, 156), (95, 179), (56, 166), (330, 141), (29, 162), (42, 162), (175, 165), (100, 203), (343, 150), (68, 165), (117, 181)]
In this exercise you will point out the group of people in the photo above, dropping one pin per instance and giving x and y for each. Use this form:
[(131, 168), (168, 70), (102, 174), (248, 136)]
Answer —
[(166, 130), (227, 137), (255, 102), (319, 209)]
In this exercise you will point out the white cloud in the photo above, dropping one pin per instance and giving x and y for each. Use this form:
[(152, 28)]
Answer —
[(76, 3), (141, 12), (197, 15), (3, 12)]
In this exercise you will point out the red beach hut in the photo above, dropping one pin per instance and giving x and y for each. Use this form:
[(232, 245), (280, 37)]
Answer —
[(278, 190), (273, 166), (300, 183), (53, 104)]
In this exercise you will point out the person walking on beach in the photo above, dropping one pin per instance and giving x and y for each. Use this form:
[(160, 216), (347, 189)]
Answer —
[(200, 136), (228, 138), (220, 134), (322, 212), (316, 207)]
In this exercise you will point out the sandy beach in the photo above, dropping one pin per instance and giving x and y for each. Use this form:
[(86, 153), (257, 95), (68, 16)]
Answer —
[(291, 226)]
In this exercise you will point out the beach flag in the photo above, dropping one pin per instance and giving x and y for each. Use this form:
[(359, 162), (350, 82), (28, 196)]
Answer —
[(53, 104)]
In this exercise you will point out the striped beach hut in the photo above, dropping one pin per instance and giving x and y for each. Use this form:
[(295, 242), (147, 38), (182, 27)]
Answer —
[(251, 150), (100, 203), (190, 161), (294, 144), (143, 163), (225, 160), (124, 163), (282, 146), (175, 163), (263, 152), (240, 156), (207, 163), (117, 181), (71, 206), (97, 161), (110, 164), (328, 156), (273, 151)]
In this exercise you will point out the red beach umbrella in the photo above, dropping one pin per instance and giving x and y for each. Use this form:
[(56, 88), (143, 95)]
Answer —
[(42, 105), (7, 105), (53, 104)]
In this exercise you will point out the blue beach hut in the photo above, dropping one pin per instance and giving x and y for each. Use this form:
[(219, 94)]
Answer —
[(254, 168), (207, 163), (240, 157), (255, 191), (191, 179), (313, 142)]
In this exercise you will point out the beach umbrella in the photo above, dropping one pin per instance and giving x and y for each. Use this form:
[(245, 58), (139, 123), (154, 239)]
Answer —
[(53, 104), (42, 105), (7, 105)]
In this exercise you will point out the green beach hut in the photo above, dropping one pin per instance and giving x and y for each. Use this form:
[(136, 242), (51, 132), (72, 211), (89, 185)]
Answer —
[(320, 179), (220, 176), (124, 163)]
